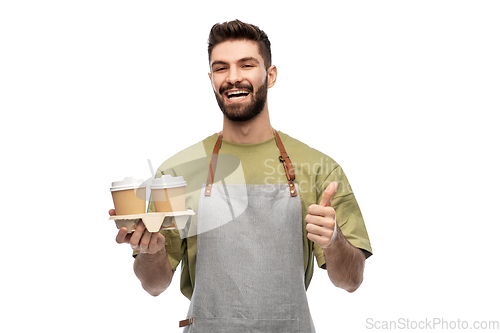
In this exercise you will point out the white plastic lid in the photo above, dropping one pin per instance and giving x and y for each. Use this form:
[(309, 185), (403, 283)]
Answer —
[(167, 181), (127, 184)]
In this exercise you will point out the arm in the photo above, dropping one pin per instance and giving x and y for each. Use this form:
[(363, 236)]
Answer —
[(154, 271), (344, 262), (151, 266)]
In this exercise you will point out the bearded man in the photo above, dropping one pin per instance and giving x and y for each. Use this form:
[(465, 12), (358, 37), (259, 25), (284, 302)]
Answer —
[(247, 255)]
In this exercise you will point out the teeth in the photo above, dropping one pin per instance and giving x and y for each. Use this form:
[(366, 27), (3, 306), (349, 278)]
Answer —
[(236, 92)]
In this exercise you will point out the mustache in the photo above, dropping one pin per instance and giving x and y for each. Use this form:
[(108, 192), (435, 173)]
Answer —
[(227, 87)]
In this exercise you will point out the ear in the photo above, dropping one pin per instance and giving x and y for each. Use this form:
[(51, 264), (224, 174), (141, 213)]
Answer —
[(211, 81), (272, 73)]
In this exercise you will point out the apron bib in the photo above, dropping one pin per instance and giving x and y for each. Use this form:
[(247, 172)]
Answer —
[(250, 271)]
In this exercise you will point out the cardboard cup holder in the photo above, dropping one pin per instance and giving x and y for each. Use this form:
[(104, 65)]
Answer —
[(154, 222)]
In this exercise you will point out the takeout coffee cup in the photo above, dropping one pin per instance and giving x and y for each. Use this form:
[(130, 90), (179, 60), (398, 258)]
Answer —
[(129, 196), (169, 193)]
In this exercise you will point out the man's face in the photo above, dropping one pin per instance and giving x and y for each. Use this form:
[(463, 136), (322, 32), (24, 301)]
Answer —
[(239, 79)]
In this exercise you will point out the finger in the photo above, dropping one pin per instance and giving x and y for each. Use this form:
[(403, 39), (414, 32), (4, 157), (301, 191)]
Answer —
[(313, 219), (320, 221), (321, 211), (122, 235), (318, 239), (160, 241), (137, 235), (153, 243), (112, 212), (144, 245), (328, 194), (319, 230)]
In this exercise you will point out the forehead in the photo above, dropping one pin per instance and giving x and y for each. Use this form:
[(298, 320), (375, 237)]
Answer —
[(233, 50)]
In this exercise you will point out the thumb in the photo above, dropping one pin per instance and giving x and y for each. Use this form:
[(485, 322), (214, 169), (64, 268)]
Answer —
[(328, 194)]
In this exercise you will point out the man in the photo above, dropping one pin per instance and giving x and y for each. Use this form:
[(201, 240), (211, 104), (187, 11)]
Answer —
[(249, 268)]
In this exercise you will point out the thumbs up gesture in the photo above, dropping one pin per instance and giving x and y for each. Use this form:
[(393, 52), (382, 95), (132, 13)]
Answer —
[(321, 220)]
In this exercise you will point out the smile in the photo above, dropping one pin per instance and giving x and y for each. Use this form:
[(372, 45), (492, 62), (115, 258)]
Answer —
[(236, 95)]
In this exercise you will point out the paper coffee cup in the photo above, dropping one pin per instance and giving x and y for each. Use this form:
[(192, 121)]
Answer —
[(169, 193), (129, 196)]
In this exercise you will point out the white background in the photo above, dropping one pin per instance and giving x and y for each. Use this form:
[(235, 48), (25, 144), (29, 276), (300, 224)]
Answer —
[(403, 94)]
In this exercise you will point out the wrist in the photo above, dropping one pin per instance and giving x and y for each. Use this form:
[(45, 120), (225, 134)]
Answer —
[(151, 257)]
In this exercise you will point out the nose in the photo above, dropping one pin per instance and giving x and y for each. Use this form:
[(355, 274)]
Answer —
[(234, 75)]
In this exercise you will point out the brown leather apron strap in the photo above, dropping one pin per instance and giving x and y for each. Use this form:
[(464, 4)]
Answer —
[(287, 164), (213, 164), (186, 322)]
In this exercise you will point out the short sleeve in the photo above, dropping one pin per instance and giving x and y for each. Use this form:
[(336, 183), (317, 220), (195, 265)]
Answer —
[(174, 246)]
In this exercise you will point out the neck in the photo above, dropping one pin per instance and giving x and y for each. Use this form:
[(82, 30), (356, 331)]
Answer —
[(255, 130)]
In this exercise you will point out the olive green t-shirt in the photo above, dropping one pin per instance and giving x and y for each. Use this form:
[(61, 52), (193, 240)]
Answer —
[(260, 164)]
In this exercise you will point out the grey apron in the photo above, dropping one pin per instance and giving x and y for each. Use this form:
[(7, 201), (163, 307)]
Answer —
[(250, 271)]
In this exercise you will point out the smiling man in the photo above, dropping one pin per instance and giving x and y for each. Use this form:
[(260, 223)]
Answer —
[(241, 74), (237, 98), (250, 273)]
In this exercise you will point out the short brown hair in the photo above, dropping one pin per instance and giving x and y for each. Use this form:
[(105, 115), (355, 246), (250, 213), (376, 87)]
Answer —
[(237, 30)]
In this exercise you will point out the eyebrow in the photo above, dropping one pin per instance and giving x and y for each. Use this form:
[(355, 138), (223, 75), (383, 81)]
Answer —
[(248, 59), (220, 62)]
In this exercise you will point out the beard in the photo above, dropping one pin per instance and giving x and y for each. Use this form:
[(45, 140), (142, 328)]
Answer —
[(241, 113)]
